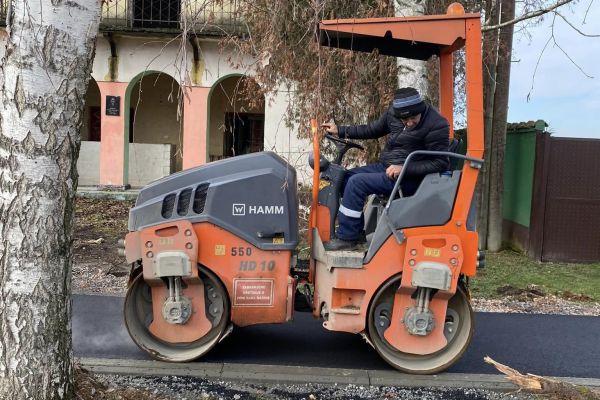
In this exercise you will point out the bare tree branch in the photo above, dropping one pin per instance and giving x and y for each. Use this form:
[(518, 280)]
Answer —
[(587, 11), (553, 39), (573, 26), (565, 53), (537, 64), (526, 16)]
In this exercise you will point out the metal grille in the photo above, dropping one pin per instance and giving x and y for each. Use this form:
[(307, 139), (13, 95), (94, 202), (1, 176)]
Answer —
[(215, 17), (156, 13), (200, 198), (168, 205), (183, 204)]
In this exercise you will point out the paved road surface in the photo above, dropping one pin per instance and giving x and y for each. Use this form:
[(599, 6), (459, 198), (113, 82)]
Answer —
[(549, 345)]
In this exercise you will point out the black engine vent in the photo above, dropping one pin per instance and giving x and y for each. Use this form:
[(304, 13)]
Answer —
[(168, 205), (183, 204), (200, 198)]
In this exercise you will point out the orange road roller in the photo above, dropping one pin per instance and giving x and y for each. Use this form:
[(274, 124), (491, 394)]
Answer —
[(214, 247)]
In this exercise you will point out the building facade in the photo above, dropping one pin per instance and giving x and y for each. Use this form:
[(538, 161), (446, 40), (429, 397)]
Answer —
[(165, 96)]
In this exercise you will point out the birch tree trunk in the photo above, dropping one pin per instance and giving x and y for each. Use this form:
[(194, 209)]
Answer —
[(490, 62), (43, 81), (412, 73), (498, 146)]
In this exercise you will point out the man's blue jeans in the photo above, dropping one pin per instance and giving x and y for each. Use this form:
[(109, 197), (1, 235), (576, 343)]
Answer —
[(359, 183)]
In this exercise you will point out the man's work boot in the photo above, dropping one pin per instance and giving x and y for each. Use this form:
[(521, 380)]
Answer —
[(336, 244)]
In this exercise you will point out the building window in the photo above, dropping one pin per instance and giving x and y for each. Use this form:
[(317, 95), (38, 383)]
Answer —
[(244, 133), (156, 13)]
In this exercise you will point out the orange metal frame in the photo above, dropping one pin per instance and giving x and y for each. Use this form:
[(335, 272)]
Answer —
[(257, 281), (452, 244), (430, 35)]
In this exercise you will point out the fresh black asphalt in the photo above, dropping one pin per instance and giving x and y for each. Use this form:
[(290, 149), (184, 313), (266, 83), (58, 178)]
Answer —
[(549, 345)]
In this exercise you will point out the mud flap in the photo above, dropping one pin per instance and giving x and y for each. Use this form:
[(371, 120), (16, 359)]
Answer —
[(442, 250), (399, 337), (195, 328)]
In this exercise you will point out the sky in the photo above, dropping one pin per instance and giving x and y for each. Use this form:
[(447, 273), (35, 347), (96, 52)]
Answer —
[(562, 95)]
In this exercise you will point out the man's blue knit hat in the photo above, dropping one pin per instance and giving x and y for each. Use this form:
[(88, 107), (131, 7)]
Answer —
[(407, 102)]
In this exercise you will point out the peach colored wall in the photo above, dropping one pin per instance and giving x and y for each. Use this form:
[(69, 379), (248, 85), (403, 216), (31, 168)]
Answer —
[(112, 146), (195, 111)]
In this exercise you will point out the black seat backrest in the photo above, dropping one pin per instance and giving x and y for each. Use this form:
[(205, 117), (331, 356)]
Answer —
[(454, 147)]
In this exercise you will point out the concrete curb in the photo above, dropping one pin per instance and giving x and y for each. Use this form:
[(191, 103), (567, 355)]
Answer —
[(89, 192), (289, 374)]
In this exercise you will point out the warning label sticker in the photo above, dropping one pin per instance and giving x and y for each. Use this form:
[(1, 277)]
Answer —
[(253, 292)]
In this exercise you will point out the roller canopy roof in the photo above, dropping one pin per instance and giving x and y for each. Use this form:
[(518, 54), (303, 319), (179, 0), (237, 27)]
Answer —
[(409, 37)]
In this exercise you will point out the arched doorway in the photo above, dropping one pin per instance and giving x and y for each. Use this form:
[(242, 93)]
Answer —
[(90, 126), (236, 123), (88, 163), (153, 127)]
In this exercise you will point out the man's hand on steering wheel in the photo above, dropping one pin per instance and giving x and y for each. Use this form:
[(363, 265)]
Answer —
[(330, 127), (393, 171)]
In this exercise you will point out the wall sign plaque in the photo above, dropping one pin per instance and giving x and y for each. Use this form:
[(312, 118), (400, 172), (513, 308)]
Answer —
[(113, 105)]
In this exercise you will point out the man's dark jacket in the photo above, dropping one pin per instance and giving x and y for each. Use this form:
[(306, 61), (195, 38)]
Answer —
[(432, 133)]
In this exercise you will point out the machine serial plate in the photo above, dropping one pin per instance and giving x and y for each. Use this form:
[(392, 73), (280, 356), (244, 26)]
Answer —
[(253, 292)]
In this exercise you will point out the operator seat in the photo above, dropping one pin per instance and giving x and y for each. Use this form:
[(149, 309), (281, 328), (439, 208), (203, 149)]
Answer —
[(375, 203)]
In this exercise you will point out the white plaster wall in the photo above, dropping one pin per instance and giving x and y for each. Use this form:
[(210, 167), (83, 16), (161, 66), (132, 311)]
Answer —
[(149, 162), (136, 55), (163, 54), (284, 140), (217, 64), (88, 163), (101, 60)]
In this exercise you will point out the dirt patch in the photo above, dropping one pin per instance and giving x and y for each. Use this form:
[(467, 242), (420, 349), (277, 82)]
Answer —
[(534, 292), (575, 296), (88, 387), (99, 224), (530, 292)]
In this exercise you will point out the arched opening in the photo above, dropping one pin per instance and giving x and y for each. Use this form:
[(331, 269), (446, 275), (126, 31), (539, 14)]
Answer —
[(88, 163), (90, 127), (153, 127), (236, 123)]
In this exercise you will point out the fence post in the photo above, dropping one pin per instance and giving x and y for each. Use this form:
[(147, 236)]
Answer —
[(538, 198)]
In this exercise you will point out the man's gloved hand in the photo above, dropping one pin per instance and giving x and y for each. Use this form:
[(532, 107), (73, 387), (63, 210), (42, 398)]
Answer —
[(393, 171), (330, 127)]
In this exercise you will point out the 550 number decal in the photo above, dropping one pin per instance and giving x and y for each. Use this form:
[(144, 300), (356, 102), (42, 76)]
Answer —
[(241, 251)]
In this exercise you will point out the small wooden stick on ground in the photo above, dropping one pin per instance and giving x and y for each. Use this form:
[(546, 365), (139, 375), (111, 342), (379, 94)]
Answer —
[(551, 388)]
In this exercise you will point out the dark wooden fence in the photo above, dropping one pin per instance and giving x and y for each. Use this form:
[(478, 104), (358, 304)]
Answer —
[(565, 213)]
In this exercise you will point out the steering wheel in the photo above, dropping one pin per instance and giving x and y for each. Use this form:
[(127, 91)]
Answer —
[(350, 145)]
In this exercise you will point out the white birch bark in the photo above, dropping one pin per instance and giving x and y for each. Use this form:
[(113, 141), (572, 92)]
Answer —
[(43, 81), (411, 73)]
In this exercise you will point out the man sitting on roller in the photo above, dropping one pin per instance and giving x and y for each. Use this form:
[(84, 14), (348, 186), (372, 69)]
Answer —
[(410, 125)]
